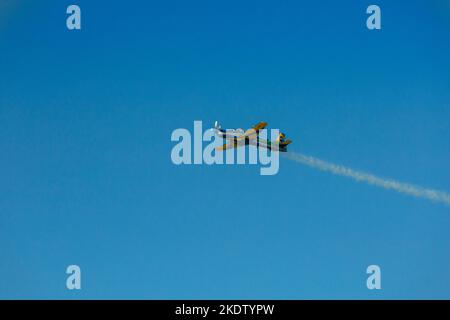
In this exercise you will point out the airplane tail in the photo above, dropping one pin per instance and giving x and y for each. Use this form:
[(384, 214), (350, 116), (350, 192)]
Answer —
[(281, 137), (217, 125), (282, 142), (283, 146)]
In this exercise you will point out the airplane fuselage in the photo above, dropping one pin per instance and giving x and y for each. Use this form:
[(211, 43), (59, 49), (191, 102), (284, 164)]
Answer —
[(237, 138), (271, 145)]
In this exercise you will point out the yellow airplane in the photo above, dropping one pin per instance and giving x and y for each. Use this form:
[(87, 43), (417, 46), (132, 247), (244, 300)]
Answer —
[(239, 137)]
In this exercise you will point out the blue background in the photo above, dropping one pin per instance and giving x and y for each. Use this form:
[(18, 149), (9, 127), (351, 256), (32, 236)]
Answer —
[(86, 176)]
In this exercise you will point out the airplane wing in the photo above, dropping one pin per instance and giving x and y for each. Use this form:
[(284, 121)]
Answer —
[(259, 126), (252, 133), (225, 146)]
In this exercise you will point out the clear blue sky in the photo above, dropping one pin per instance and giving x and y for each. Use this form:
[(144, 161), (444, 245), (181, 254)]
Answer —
[(86, 175)]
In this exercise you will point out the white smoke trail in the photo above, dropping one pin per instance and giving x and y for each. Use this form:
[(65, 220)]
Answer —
[(406, 188)]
